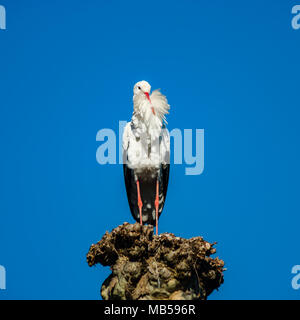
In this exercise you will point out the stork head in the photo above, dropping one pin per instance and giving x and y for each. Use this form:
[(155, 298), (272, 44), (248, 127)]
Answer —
[(152, 109), (142, 90), (141, 94)]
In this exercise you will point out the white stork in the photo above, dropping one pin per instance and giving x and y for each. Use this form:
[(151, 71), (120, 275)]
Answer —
[(146, 154)]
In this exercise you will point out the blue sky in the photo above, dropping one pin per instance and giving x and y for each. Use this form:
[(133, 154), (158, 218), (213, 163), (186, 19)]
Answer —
[(67, 70)]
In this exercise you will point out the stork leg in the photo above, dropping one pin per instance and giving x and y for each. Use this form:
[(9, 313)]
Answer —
[(156, 203), (140, 203)]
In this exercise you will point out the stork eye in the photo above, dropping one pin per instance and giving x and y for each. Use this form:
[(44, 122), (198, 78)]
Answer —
[(139, 88)]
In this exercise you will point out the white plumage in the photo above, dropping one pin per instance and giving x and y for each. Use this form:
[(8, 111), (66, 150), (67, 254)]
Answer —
[(136, 143), (147, 129)]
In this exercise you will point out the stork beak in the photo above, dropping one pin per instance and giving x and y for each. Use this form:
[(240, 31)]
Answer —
[(148, 97)]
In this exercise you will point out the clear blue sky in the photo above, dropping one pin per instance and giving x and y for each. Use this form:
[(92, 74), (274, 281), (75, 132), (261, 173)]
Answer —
[(67, 69)]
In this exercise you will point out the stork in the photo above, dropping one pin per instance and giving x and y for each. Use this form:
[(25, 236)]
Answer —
[(146, 155)]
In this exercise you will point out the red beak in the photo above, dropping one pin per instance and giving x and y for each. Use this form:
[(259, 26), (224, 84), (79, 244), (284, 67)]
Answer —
[(147, 95)]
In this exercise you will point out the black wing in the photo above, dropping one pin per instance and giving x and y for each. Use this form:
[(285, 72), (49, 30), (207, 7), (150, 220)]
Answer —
[(131, 191), (164, 181)]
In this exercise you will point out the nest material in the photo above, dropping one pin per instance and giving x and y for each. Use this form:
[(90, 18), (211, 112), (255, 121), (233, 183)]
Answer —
[(149, 267)]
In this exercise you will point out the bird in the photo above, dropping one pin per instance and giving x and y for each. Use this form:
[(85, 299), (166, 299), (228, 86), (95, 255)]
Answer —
[(146, 154)]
